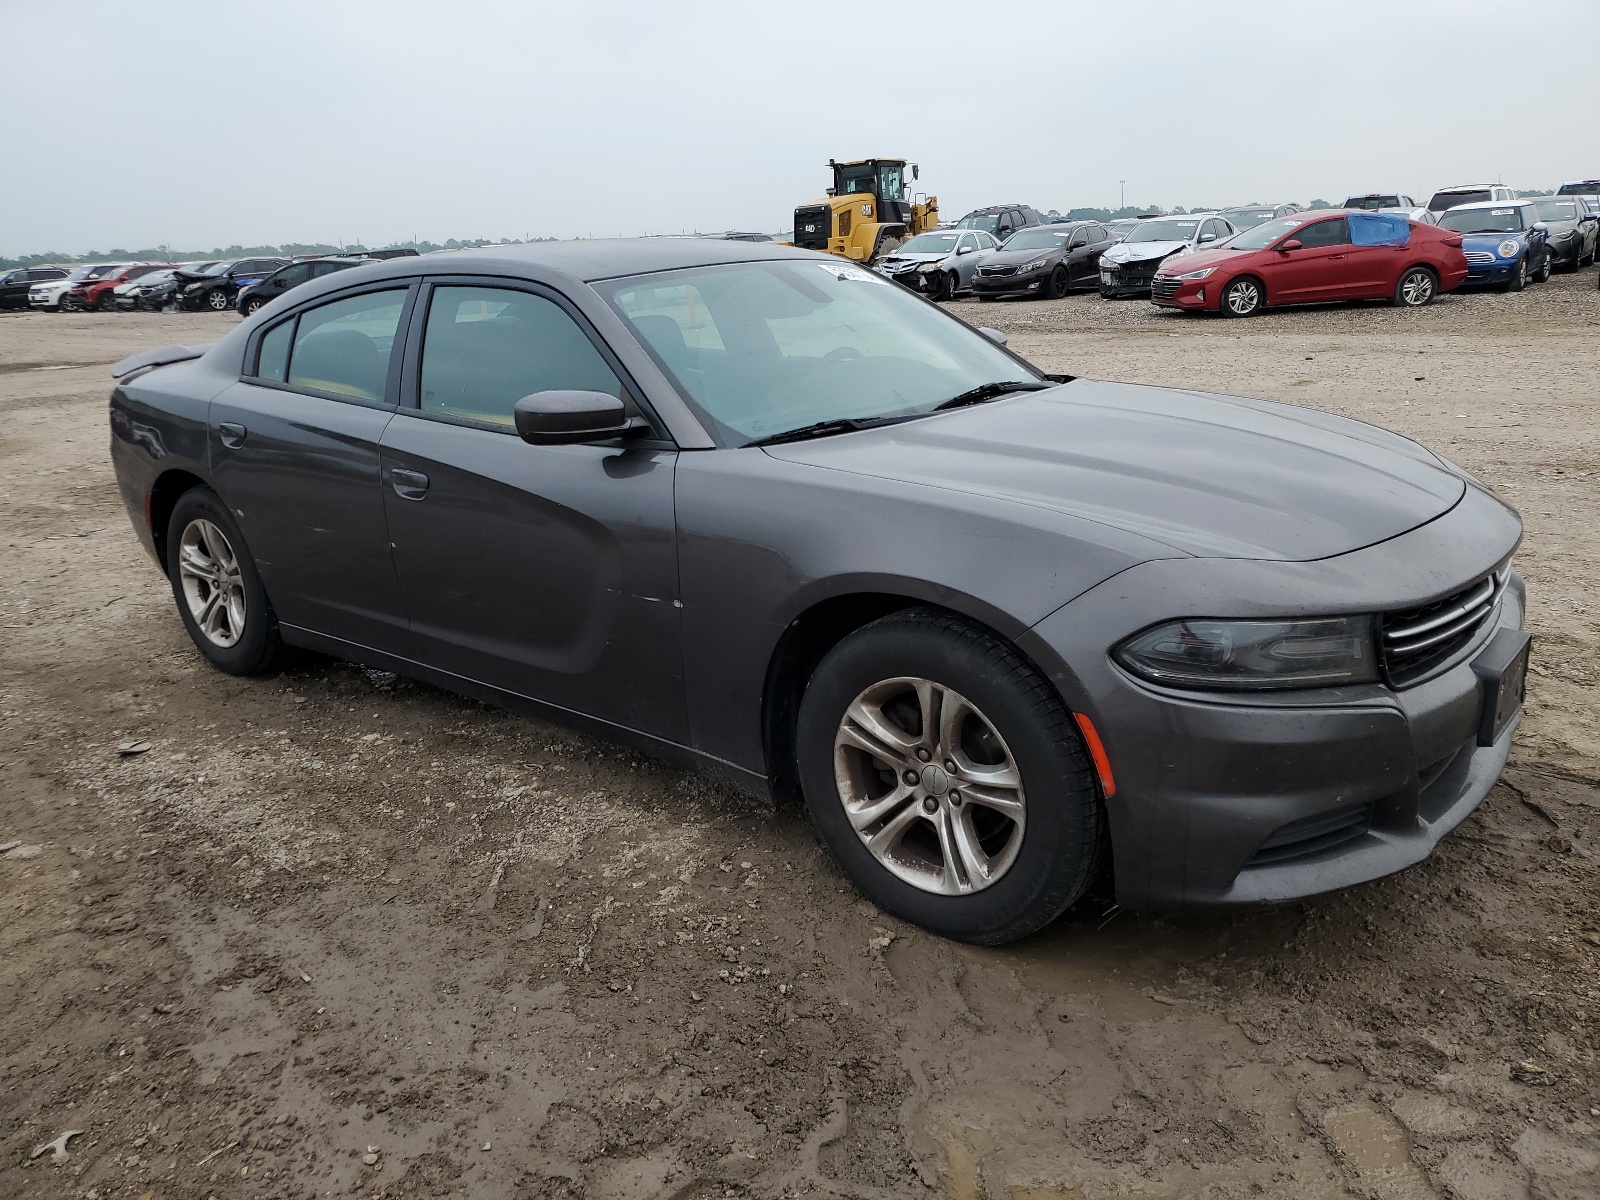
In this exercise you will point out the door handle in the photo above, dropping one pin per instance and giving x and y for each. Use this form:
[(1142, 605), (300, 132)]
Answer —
[(231, 433), (408, 485)]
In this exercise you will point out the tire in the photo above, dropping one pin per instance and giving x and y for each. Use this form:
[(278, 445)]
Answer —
[(1542, 275), (222, 604), (1059, 284), (217, 300), (67, 305), (252, 305), (107, 303), (1025, 863), (1416, 289), (1243, 297), (1519, 277), (944, 287)]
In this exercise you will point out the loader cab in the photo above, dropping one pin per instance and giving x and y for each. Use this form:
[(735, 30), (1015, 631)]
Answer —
[(885, 179)]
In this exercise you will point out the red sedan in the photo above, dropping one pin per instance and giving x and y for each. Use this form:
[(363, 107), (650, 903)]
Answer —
[(97, 294), (1313, 257)]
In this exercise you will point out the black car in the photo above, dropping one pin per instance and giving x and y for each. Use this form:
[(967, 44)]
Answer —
[(1001, 220), (218, 285), (161, 294), (1573, 228), (292, 276), (761, 511), (14, 284), (1047, 260)]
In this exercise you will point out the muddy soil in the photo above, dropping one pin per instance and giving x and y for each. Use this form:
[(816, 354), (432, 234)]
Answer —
[(335, 933)]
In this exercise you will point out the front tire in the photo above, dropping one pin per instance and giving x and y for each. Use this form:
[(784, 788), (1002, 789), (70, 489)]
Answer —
[(218, 591), (1058, 283), (1244, 297), (948, 779), (1417, 288), (217, 300), (252, 305), (1519, 277)]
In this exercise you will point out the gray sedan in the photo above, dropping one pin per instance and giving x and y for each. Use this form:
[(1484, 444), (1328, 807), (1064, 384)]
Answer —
[(938, 263), (759, 512)]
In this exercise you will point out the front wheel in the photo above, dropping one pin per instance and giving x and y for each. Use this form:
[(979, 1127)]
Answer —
[(252, 306), (219, 594), (68, 304), (944, 286), (948, 779), (1416, 288), (1057, 288), (1244, 297), (217, 300), (1519, 276), (108, 303)]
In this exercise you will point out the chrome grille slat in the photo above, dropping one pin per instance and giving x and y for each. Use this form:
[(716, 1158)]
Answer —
[(1413, 643), (1479, 258), (1483, 593)]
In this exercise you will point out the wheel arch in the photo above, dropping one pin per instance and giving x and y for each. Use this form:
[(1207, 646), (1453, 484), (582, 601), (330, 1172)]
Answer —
[(1266, 292), (168, 488), (814, 631)]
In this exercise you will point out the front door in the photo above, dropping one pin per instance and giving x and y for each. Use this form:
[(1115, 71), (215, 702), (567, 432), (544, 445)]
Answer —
[(294, 455), (1316, 269), (547, 571)]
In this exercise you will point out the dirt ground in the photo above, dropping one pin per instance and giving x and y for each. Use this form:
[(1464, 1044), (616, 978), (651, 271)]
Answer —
[(336, 933)]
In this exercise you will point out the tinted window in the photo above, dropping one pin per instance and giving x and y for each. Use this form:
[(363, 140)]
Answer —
[(1446, 200), (272, 362), (319, 269), (487, 348), (343, 347), (1326, 233), (291, 276), (1080, 237)]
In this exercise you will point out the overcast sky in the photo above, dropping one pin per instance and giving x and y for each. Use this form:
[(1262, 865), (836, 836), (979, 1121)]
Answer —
[(195, 123)]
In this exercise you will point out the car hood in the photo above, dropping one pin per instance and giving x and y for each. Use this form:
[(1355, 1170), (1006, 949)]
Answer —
[(1488, 241), (1212, 476), (892, 259), (1140, 251), (1196, 260)]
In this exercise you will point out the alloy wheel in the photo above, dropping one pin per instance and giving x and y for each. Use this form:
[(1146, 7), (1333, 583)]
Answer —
[(213, 585), (1243, 298), (216, 301), (929, 786), (1417, 290)]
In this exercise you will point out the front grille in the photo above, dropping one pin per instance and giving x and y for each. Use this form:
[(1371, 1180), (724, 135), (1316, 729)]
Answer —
[(1133, 274), (1313, 835), (812, 225), (1413, 643), (996, 272), (1479, 258), (1165, 287)]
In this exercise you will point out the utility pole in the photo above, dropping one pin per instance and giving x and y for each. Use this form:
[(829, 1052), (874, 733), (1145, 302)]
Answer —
[(1124, 184)]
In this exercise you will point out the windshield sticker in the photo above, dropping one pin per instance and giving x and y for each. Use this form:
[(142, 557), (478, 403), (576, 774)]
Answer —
[(846, 271), (1504, 212)]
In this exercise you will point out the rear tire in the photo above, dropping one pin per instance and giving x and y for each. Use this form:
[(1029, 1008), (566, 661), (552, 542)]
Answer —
[(978, 862), (1542, 275), (217, 589), (1417, 288), (1244, 297)]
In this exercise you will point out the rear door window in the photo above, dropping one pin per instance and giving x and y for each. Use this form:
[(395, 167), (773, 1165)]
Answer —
[(344, 347), (486, 348)]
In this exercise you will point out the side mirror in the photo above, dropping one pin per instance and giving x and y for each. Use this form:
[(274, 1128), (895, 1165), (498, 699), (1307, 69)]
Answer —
[(964, 250), (559, 418), (994, 335), (1291, 244), (1540, 225), (1207, 237)]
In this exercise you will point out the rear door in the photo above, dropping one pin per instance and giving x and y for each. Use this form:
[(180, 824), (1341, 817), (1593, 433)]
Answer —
[(294, 454), (1316, 270), (547, 571)]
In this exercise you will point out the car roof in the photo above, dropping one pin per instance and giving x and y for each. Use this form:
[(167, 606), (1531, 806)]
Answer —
[(1468, 187), (994, 208), (593, 259), (1495, 204)]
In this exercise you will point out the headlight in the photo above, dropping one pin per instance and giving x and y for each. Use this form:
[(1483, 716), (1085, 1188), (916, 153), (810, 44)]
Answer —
[(1253, 654), (1034, 265), (1509, 248), (1200, 274)]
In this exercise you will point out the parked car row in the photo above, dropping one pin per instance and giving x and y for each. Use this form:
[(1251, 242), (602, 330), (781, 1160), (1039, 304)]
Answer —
[(1238, 261), (216, 286)]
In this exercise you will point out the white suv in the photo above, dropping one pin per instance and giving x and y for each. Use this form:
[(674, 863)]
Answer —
[(1469, 193)]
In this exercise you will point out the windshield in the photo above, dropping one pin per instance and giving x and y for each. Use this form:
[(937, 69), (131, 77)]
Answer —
[(988, 223), (1483, 220), (1248, 218), (930, 243), (1557, 210), (758, 349), (1162, 231), (1037, 239), (1446, 200), (1265, 234)]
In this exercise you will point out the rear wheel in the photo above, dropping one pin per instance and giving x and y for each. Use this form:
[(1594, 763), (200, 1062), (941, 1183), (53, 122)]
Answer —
[(214, 581), (1416, 288), (948, 779), (1542, 275), (1244, 297), (1058, 283)]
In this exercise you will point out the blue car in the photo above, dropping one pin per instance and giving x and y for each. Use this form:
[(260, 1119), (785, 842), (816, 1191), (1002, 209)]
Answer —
[(1505, 242)]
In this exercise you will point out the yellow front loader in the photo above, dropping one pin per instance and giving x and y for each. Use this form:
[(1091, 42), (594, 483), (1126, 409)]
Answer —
[(870, 210)]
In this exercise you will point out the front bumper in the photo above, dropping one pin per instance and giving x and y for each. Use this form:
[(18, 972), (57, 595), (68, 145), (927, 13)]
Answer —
[(1010, 285), (1229, 799), (1128, 279), (1496, 272), (1171, 292)]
